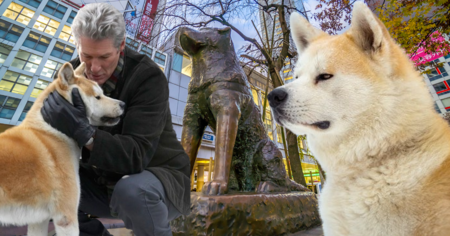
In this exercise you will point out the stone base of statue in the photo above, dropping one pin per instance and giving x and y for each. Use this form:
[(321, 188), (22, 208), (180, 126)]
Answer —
[(249, 214)]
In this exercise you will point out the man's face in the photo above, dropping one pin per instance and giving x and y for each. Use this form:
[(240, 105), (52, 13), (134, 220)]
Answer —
[(100, 56)]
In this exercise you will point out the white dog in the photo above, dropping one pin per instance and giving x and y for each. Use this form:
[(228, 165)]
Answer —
[(370, 122), (39, 165)]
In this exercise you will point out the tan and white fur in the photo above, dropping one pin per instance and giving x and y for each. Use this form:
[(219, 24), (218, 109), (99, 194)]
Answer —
[(39, 165), (386, 151)]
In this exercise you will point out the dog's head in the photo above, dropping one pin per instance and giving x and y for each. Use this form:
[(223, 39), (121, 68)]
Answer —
[(194, 42), (340, 79), (100, 109)]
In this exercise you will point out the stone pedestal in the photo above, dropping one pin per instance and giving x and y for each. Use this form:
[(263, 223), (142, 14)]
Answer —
[(249, 214)]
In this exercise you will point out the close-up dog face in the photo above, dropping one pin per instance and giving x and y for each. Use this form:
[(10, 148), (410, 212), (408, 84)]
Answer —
[(100, 109), (338, 79)]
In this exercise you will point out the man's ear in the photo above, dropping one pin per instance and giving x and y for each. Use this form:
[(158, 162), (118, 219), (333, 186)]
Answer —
[(79, 71), (66, 74), (122, 45), (302, 31), (367, 30)]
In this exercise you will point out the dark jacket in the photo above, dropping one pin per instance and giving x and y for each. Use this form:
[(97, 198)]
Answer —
[(144, 138)]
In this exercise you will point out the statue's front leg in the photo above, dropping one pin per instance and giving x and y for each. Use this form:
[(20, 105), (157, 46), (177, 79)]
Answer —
[(225, 107)]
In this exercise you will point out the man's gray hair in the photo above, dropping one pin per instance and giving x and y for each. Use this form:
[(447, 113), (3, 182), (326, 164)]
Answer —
[(99, 21)]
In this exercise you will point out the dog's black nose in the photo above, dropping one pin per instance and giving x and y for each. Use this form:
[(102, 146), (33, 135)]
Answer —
[(277, 97), (122, 105)]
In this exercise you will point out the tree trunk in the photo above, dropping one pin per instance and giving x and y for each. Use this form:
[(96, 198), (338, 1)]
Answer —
[(294, 157)]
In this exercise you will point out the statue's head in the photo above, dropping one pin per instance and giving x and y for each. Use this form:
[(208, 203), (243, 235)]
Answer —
[(211, 39)]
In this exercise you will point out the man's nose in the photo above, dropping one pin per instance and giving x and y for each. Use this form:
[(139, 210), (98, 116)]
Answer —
[(95, 66), (277, 97)]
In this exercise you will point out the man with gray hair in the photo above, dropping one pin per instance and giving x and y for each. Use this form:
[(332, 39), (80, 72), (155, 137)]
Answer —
[(137, 170)]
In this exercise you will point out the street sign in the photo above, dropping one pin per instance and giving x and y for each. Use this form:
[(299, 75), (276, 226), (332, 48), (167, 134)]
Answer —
[(208, 137)]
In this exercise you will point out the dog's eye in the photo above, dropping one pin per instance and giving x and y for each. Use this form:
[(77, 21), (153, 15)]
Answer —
[(323, 77), (98, 97)]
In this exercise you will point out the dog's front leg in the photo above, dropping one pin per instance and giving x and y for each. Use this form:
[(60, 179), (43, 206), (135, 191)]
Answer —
[(225, 105)]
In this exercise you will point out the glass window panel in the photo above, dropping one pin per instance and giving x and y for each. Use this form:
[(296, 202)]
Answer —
[(67, 29), (12, 37), (29, 43), (27, 12), (53, 23), (18, 63), (12, 102), (69, 49), (20, 89), (439, 86), (11, 76), (187, 66), (43, 19), (35, 59), (6, 49), (10, 14), (255, 96), (51, 64), (24, 80), (52, 4), (6, 85), (23, 19), (56, 53), (3, 58), (15, 7), (446, 102), (48, 10), (47, 72), (35, 93), (28, 106), (22, 116), (41, 48), (62, 8), (41, 84), (7, 113), (34, 3), (58, 15), (66, 57), (2, 100), (177, 62), (50, 30), (30, 67)]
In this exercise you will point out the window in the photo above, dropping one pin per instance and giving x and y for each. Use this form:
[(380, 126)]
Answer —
[(26, 61), (177, 62), (146, 51), (279, 134), (33, 3), (255, 96), (25, 110), (439, 86), (37, 42), (10, 31), (19, 13), (4, 52), (62, 51), (47, 25), (55, 9), (8, 106), (437, 73), (38, 88), (15, 82), (66, 34), (50, 68), (132, 44), (447, 56), (160, 58), (71, 17)]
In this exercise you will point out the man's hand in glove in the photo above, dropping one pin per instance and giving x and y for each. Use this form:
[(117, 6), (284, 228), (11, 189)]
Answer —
[(67, 118)]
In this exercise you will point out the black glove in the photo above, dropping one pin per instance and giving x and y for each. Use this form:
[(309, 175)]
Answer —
[(67, 118)]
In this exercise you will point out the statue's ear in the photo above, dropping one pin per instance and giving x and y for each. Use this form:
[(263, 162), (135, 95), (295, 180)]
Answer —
[(226, 30)]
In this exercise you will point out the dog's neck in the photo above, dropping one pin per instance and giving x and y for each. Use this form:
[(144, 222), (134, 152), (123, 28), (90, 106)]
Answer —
[(211, 63)]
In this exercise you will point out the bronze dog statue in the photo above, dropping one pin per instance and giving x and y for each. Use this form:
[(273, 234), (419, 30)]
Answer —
[(219, 95)]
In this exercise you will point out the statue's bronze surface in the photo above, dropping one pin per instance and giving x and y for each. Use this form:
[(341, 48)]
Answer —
[(220, 96), (248, 214)]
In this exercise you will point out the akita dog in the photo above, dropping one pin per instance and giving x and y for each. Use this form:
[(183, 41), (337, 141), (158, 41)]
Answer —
[(370, 123), (39, 165)]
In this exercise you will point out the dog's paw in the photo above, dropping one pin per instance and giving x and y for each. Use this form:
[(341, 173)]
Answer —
[(269, 186), (215, 187)]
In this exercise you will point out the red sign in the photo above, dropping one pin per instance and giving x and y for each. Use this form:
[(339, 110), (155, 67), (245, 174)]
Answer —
[(147, 20)]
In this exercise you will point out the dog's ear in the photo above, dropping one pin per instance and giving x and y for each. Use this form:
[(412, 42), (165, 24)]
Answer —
[(367, 30), (302, 31), (79, 71), (66, 74)]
